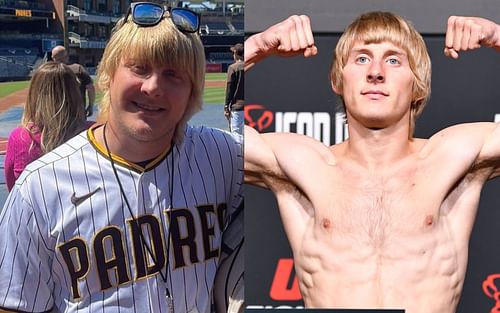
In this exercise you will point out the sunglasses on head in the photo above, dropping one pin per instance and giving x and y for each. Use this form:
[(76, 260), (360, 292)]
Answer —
[(150, 14)]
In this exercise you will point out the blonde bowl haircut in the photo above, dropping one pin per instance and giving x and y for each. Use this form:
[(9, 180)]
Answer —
[(159, 45), (378, 27), (54, 105)]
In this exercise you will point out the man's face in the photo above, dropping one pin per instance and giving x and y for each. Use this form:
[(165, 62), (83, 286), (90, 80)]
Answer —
[(147, 102), (377, 84)]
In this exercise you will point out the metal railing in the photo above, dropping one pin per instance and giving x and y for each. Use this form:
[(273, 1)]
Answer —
[(6, 35), (74, 11), (74, 37)]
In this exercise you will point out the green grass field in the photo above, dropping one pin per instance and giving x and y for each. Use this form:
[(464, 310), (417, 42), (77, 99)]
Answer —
[(216, 76), (215, 94), (212, 94), (10, 87)]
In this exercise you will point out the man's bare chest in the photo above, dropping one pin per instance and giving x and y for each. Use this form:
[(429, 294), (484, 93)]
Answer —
[(402, 201)]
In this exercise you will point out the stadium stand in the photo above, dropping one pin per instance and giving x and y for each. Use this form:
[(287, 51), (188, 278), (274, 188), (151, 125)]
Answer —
[(17, 62), (31, 28), (239, 26), (217, 28), (26, 26)]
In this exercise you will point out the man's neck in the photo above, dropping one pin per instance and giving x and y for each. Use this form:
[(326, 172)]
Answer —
[(129, 148), (378, 149)]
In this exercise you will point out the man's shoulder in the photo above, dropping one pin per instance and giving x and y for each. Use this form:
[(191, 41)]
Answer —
[(450, 141), (203, 137), (288, 138), (77, 68), (237, 66), (205, 132), (297, 146), (211, 146), (452, 136)]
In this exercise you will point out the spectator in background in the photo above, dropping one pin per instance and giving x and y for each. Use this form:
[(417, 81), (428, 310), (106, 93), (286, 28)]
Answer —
[(53, 113), (233, 108), (59, 54)]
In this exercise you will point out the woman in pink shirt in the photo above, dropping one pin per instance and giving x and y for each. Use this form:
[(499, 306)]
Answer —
[(53, 113)]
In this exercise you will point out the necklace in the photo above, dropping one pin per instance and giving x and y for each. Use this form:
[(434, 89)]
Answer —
[(170, 300)]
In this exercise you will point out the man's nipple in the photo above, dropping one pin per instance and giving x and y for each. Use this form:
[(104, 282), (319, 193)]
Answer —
[(429, 220), (326, 224)]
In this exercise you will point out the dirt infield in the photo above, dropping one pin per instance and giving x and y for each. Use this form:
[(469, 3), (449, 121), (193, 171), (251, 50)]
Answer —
[(215, 83), (14, 99), (3, 146)]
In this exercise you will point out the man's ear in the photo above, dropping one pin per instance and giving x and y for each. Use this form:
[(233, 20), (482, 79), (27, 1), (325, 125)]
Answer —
[(335, 88)]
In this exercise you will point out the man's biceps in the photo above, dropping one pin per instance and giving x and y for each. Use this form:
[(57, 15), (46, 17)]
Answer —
[(257, 146), (490, 149), (260, 161), (257, 158)]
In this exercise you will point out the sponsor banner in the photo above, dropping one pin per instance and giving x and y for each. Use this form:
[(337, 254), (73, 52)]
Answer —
[(27, 13), (491, 287), (314, 124), (214, 68)]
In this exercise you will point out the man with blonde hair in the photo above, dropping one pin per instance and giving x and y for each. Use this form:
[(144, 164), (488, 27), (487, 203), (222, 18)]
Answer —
[(383, 219), (59, 54), (128, 216)]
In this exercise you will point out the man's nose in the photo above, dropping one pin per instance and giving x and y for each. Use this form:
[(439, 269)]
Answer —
[(375, 73), (151, 86)]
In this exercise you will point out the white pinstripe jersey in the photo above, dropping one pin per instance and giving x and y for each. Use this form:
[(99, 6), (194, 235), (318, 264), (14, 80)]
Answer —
[(229, 289), (86, 255)]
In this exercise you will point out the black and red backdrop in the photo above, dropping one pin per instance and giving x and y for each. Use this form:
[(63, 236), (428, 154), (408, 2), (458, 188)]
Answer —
[(294, 94)]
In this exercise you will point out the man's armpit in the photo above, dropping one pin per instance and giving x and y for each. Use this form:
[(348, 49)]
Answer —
[(280, 182)]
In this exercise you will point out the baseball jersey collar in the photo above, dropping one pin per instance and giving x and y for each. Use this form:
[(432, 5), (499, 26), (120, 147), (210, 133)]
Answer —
[(121, 161)]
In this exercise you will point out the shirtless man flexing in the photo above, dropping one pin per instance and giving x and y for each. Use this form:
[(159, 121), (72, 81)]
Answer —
[(381, 220)]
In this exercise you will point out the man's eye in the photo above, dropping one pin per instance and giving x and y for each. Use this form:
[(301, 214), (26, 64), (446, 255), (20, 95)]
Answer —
[(393, 61), (170, 73), (174, 75), (362, 60), (139, 69)]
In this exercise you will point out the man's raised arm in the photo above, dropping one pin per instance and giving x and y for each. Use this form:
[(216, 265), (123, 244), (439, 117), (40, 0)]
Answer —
[(290, 37), (468, 33), (260, 161)]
